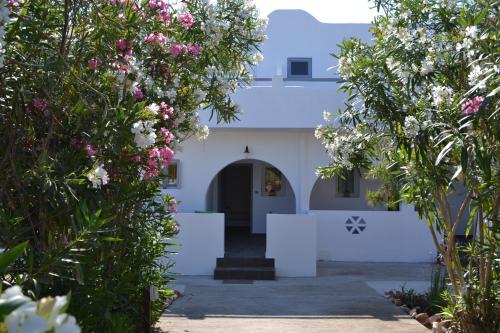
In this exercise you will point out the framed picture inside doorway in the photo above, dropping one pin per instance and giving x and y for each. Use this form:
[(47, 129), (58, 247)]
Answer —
[(272, 184)]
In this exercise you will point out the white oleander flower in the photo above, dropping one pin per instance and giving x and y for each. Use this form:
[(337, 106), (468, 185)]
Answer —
[(411, 127), (475, 77), (153, 108), (327, 116), (441, 94), (427, 66), (471, 32), (202, 133), (98, 176), (257, 58), (46, 315)]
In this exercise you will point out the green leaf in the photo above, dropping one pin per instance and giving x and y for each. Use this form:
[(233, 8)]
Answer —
[(112, 239), (8, 257), (444, 152), (464, 158)]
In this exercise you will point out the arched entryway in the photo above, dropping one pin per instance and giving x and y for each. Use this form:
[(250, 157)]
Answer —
[(246, 191), (344, 193)]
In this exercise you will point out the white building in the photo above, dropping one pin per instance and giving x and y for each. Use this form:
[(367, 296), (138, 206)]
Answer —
[(259, 172)]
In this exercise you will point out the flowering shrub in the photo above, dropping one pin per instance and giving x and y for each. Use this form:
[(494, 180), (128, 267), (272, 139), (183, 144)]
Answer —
[(95, 98), (422, 114)]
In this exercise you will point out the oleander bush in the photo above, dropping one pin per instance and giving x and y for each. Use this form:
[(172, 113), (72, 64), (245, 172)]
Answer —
[(95, 97), (422, 114)]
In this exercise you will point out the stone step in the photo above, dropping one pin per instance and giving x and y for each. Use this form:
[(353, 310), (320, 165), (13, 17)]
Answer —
[(244, 262), (244, 273)]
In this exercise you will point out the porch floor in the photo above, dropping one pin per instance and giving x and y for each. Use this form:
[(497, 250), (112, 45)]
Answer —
[(239, 242)]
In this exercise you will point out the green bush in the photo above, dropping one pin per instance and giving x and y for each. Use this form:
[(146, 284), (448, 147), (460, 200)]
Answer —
[(95, 97)]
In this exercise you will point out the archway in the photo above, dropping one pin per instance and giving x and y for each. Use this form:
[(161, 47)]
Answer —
[(246, 191), (347, 193)]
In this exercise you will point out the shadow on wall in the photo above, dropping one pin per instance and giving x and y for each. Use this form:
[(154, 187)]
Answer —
[(343, 194)]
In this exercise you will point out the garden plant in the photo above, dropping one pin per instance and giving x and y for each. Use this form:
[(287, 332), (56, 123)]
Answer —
[(95, 98), (422, 115)]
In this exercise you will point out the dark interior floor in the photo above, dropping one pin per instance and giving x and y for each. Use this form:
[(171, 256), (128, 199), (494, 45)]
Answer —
[(240, 242)]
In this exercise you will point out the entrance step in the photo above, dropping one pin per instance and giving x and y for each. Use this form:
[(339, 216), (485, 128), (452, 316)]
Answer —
[(244, 262), (233, 268)]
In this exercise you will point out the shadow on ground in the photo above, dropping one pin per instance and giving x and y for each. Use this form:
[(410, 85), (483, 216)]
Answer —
[(339, 299)]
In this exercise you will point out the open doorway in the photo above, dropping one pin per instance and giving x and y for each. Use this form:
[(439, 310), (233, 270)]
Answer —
[(236, 204), (236, 197), (246, 191)]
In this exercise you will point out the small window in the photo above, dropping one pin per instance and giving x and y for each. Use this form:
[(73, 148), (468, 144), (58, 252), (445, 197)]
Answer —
[(347, 186), (299, 67), (171, 174)]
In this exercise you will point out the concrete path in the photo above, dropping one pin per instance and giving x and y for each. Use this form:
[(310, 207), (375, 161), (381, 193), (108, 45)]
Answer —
[(344, 298)]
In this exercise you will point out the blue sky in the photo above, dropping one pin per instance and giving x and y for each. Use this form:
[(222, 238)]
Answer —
[(331, 11)]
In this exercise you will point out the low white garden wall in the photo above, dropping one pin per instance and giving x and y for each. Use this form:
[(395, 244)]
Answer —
[(291, 241), (376, 236), (201, 239)]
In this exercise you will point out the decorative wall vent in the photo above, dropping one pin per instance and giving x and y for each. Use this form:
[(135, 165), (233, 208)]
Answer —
[(355, 225)]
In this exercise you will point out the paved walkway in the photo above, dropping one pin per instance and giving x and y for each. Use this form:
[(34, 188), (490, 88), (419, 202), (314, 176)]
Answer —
[(344, 298)]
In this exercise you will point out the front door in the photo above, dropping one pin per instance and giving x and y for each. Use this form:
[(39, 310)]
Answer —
[(236, 200)]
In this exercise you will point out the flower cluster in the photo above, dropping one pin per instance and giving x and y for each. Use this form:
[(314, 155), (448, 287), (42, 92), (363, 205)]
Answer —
[(4, 21), (472, 106), (46, 315), (144, 133), (98, 176), (441, 95), (186, 20), (157, 159)]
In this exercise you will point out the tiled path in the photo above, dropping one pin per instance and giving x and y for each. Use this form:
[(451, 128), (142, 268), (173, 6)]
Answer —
[(344, 298)]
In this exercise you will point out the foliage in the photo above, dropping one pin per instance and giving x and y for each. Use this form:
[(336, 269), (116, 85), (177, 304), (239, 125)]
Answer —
[(430, 302), (95, 97), (423, 103), (18, 313)]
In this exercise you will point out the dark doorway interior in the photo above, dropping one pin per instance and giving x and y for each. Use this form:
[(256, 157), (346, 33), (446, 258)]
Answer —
[(236, 199), (236, 204)]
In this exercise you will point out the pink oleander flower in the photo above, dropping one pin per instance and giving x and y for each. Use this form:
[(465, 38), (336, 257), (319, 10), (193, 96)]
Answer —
[(167, 135), (121, 45), (138, 94), (186, 20), (154, 153), (158, 38), (472, 106), (137, 158), (166, 156), (166, 111), (40, 104), (151, 38), (13, 5), (89, 149), (161, 4), (94, 63), (195, 49), (178, 49), (161, 38), (165, 17)]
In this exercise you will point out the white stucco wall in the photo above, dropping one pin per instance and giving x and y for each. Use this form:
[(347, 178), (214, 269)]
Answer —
[(286, 103), (387, 237), (201, 242), (296, 33), (291, 241), (296, 153)]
